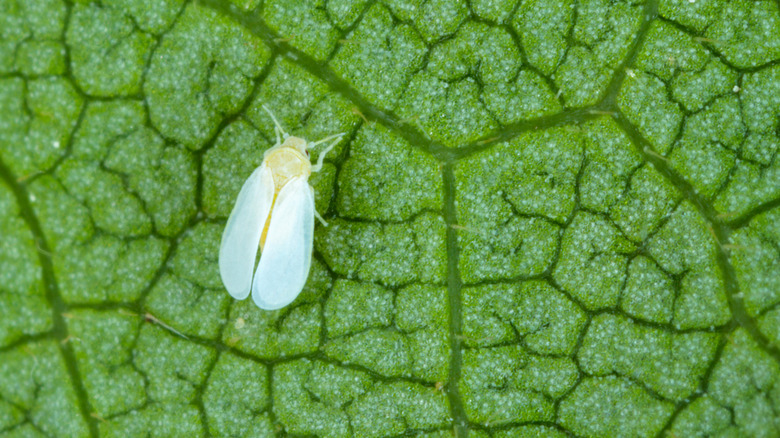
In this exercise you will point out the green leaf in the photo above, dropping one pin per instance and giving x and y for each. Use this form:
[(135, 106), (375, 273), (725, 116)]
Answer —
[(545, 218)]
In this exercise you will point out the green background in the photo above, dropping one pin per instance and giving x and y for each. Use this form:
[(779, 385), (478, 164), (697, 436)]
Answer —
[(547, 218)]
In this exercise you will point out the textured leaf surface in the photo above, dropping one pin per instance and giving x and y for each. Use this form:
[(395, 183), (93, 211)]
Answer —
[(547, 218)]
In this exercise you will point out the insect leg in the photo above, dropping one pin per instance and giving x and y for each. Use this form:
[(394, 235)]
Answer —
[(319, 218), (336, 139)]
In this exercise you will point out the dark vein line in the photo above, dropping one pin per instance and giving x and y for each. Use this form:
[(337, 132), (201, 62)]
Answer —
[(744, 219), (720, 230), (701, 390), (454, 286), (607, 104), (53, 296), (408, 131), (447, 155)]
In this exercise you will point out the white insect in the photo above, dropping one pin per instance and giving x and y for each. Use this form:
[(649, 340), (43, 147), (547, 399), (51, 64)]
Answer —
[(275, 212)]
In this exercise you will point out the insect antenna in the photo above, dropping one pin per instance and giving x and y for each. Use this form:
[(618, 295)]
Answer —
[(277, 127)]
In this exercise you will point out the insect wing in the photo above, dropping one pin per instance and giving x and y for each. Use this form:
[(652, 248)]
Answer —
[(286, 256), (238, 250)]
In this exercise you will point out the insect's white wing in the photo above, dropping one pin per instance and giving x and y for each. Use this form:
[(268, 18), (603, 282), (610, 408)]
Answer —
[(286, 257), (241, 237)]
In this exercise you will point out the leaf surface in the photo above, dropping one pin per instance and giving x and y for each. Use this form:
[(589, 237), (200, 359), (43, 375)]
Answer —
[(545, 218)]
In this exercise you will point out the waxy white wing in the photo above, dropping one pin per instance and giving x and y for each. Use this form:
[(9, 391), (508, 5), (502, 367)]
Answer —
[(238, 250), (286, 257)]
